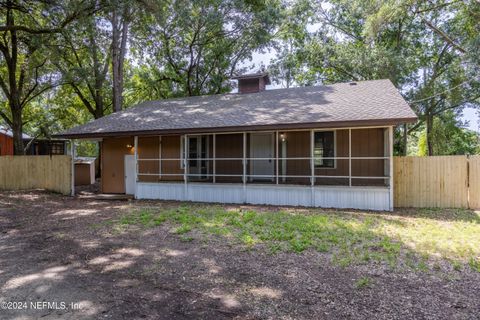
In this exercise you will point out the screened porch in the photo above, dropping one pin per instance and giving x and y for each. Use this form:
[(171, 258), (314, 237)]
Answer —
[(352, 157)]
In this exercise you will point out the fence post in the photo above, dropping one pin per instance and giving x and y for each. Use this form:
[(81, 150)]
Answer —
[(390, 160), (72, 188), (244, 164)]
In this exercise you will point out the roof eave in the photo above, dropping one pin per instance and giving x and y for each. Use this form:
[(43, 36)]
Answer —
[(311, 125)]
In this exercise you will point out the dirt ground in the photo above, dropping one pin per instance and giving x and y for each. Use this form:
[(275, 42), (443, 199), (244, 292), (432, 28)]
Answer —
[(55, 249)]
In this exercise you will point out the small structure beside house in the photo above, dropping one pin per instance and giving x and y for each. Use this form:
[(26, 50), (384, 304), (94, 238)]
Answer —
[(84, 171), (326, 146)]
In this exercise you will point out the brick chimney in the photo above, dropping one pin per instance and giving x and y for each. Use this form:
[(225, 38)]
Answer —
[(253, 82)]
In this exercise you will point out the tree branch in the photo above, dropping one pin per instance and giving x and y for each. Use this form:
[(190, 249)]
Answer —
[(7, 120), (443, 35)]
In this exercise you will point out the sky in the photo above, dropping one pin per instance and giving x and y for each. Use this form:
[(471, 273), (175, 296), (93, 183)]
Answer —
[(470, 115)]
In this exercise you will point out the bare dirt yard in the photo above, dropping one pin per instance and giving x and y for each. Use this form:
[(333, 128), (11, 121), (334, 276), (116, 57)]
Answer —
[(71, 258)]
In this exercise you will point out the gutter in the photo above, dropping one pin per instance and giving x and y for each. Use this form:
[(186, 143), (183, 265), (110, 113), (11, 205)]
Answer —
[(311, 125)]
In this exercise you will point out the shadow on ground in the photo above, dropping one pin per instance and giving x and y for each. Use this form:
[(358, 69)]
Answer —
[(53, 249)]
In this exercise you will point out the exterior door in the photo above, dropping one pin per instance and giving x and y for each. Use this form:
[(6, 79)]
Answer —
[(198, 150), (129, 174), (262, 146)]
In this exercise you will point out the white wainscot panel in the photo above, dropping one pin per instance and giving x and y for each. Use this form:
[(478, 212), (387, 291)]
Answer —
[(369, 198), (279, 195), (163, 191), (354, 198), (222, 193)]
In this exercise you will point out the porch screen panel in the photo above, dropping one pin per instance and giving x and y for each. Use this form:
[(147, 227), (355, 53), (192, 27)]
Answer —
[(368, 143), (200, 163), (338, 167), (294, 144), (228, 163), (148, 148), (171, 149)]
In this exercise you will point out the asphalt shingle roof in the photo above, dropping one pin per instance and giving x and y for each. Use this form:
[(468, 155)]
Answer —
[(376, 102)]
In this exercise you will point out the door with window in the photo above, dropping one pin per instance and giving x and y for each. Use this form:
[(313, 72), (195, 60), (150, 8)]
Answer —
[(198, 152)]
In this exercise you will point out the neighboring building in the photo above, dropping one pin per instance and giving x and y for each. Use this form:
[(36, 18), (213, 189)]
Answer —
[(37, 147), (6, 141), (328, 146), (43, 147)]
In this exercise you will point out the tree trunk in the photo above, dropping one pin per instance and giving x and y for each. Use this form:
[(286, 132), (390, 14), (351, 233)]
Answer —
[(405, 139), (17, 130), (119, 46), (429, 138)]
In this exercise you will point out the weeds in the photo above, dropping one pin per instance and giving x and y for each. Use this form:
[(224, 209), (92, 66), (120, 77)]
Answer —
[(363, 282), (351, 238)]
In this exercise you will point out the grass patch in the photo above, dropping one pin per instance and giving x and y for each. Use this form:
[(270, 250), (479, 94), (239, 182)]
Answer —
[(363, 282), (351, 238)]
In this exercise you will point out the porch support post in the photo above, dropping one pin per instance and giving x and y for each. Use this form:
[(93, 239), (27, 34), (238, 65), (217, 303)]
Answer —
[(312, 168), (349, 157), (185, 169), (244, 162), (214, 156), (159, 157), (72, 182), (135, 157), (390, 160), (276, 157), (312, 161)]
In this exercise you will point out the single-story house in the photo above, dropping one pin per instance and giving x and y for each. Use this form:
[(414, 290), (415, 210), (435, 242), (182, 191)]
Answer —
[(38, 147), (328, 146)]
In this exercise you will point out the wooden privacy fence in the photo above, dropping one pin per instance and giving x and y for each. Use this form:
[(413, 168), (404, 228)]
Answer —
[(36, 172), (440, 181)]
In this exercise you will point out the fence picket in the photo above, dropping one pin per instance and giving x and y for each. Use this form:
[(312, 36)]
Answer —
[(35, 172), (474, 182), (440, 181)]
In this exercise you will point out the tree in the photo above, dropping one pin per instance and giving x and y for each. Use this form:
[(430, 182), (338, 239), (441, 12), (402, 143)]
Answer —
[(188, 48), (449, 67), (418, 45), (450, 137), (120, 15), (84, 61), (289, 67), (25, 29)]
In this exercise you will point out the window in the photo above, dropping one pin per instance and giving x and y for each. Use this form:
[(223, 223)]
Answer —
[(57, 148), (324, 147)]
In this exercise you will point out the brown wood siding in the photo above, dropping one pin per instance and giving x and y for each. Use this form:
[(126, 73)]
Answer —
[(298, 145), (113, 153), (171, 150), (368, 143), (148, 148), (365, 143), (84, 174), (6, 145), (229, 146)]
